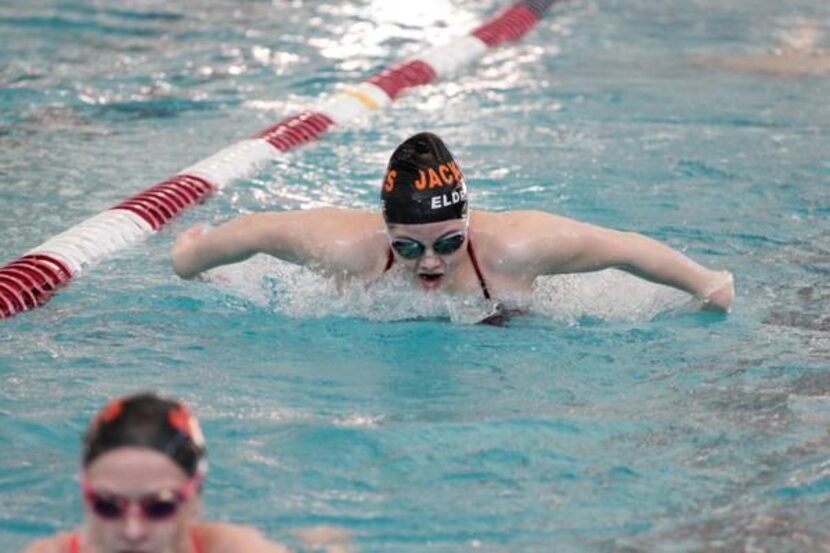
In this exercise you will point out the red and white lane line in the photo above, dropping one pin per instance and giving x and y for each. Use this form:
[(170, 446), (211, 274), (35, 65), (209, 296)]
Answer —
[(30, 281)]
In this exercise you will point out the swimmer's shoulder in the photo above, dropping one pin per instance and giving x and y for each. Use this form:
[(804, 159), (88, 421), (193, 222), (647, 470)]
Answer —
[(343, 222), (346, 215), (512, 239), (508, 226), (218, 537), (797, 54), (785, 64), (357, 242)]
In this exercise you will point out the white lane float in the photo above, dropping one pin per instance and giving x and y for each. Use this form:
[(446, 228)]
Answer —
[(31, 280)]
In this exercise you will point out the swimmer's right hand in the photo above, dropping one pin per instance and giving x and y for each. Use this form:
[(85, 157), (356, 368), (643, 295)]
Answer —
[(721, 292), (183, 255)]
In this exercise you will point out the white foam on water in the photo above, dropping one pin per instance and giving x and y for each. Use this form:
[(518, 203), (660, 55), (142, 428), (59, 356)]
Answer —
[(609, 295), (811, 409), (359, 421), (298, 292)]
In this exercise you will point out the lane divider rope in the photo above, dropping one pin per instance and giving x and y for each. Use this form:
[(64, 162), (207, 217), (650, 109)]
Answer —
[(30, 281), (364, 98)]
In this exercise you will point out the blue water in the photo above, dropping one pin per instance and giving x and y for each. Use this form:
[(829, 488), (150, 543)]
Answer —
[(614, 418)]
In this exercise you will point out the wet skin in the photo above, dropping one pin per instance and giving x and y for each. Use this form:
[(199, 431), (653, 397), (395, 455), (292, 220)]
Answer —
[(513, 248), (431, 271), (134, 473)]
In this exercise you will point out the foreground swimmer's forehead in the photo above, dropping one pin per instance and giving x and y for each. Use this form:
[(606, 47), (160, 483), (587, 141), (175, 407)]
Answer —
[(134, 471)]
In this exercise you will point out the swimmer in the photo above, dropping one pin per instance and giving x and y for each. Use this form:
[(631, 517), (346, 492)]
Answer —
[(425, 233), (797, 54), (143, 466)]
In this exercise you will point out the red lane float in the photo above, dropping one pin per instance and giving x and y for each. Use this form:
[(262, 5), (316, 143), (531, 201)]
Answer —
[(402, 76), (31, 280), (296, 130), (508, 27), (163, 201)]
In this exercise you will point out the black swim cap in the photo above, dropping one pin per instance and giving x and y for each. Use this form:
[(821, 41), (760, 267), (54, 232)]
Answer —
[(147, 420), (423, 183)]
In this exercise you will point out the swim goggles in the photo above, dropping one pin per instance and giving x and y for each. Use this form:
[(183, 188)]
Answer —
[(158, 506), (412, 249)]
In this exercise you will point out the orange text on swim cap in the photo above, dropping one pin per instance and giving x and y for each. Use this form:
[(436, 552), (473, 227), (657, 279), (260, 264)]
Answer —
[(389, 181), (447, 174)]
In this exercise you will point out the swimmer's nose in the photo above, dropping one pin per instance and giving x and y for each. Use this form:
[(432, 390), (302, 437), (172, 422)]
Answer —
[(135, 527), (429, 262)]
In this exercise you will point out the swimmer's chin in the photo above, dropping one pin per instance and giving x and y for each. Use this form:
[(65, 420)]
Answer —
[(430, 283)]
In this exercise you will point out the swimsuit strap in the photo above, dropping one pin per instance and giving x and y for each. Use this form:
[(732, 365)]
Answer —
[(390, 259), (75, 543), (480, 276), (197, 541)]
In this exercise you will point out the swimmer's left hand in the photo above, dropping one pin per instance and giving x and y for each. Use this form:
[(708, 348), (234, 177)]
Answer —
[(331, 539), (183, 252), (720, 293)]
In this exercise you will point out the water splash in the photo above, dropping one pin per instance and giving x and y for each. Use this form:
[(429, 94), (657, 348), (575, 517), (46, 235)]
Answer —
[(298, 292)]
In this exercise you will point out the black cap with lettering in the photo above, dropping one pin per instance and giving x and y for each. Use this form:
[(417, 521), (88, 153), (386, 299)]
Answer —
[(423, 183)]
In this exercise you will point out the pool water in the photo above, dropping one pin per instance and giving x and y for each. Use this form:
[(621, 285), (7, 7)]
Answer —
[(615, 417)]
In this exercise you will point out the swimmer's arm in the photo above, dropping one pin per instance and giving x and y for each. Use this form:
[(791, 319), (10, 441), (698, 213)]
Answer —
[(48, 545), (578, 247), (300, 237), (230, 538), (329, 539), (201, 248)]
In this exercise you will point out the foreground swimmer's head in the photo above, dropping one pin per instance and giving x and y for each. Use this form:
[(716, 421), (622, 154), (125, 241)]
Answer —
[(143, 463), (424, 201)]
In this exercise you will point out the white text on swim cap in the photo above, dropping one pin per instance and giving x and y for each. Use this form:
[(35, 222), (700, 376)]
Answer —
[(446, 200)]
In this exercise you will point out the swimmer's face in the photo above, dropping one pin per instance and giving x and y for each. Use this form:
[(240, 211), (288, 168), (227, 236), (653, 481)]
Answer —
[(133, 473), (434, 264)]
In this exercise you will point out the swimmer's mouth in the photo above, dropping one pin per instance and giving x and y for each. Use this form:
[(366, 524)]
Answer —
[(430, 281)]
